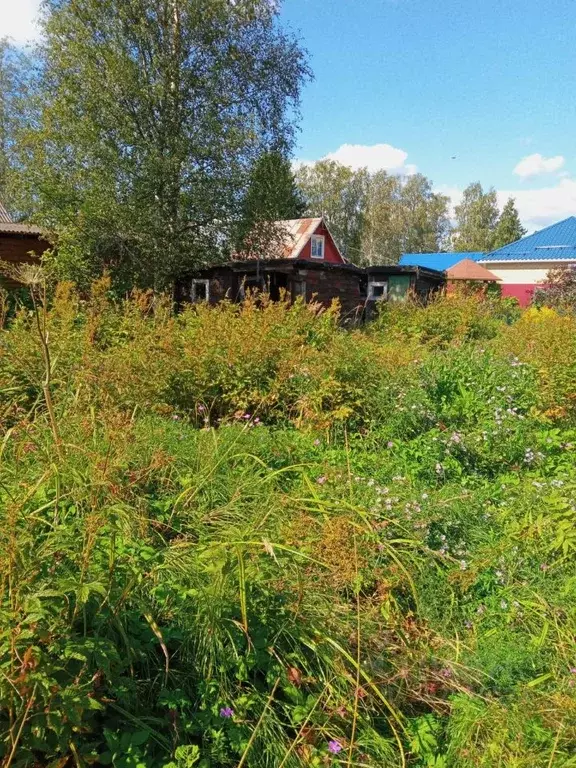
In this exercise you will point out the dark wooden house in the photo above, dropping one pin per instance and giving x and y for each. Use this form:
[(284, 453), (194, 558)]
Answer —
[(304, 261), (294, 278), (19, 244)]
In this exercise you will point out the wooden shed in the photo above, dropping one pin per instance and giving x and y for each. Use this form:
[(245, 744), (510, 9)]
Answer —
[(397, 283)]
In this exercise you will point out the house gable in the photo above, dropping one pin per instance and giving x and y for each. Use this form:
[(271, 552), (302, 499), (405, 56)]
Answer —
[(332, 254)]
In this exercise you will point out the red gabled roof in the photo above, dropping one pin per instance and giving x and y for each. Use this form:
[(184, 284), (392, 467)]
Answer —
[(297, 233), (287, 239)]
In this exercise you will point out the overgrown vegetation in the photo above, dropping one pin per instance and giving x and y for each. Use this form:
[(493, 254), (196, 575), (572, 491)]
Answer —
[(248, 537)]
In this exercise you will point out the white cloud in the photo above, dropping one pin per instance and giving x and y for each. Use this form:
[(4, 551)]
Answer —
[(374, 157), (540, 207), (17, 20), (536, 165)]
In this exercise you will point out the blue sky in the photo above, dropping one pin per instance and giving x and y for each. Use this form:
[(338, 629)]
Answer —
[(410, 84), (491, 83)]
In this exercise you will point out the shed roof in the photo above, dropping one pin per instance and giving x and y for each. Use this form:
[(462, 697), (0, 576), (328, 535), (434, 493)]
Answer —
[(20, 229), (9, 227), (554, 243), (466, 269), (385, 270), (438, 261)]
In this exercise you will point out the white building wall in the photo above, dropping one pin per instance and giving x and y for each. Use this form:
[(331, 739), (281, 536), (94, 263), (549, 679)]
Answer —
[(530, 273)]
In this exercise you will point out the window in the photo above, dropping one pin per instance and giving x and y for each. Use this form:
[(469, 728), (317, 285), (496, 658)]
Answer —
[(200, 290), (317, 243), (378, 291)]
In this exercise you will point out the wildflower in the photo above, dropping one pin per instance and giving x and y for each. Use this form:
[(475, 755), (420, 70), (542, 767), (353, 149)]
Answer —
[(446, 672), (321, 480), (463, 565), (247, 416), (424, 495), (316, 442), (572, 670), (468, 624), (226, 712), (175, 417), (544, 567), (334, 746), (503, 604), (390, 444), (439, 468), (201, 408)]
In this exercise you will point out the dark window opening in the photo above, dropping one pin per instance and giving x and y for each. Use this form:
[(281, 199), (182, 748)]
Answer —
[(200, 290), (278, 284)]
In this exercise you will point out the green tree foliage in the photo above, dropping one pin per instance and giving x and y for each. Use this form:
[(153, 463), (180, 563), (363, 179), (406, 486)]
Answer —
[(383, 221), (375, 217), (339, 194), (13, 86), (149, 116), (509, 227), (426, 224), (476, 219), (272, 195)]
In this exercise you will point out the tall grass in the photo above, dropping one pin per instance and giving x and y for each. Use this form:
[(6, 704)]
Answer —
[(243, 536)]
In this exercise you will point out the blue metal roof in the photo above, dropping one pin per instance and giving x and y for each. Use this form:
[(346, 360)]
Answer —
[(439, 261), (554, 243)]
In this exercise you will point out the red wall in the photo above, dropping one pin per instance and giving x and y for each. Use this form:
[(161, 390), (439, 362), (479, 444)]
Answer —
[(331, 254), (523, 293)]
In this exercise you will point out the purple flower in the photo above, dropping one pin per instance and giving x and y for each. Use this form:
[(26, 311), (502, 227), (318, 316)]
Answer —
[(226, 712), (390, 444), (201, 408), (247, 416), (321, 480), (446, 672), (334, 746), (573, 670)]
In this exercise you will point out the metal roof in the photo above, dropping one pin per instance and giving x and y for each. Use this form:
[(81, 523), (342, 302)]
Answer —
[(5, 217), (298, 232), (287, 240), (554, 243), (438, 261)]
